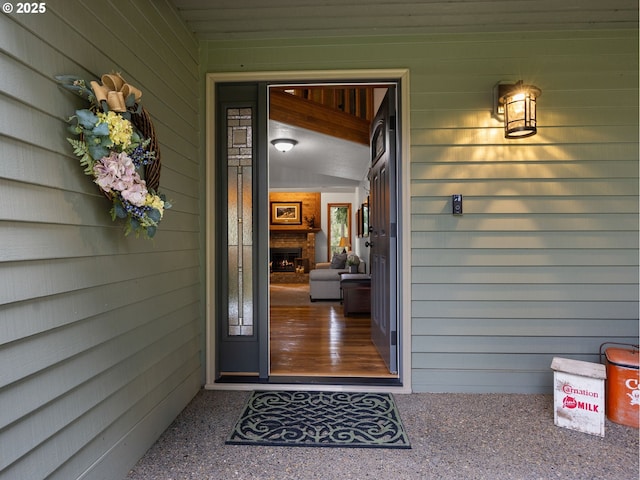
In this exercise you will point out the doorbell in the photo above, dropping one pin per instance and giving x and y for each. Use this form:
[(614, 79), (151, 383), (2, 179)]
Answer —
[(456, 202)]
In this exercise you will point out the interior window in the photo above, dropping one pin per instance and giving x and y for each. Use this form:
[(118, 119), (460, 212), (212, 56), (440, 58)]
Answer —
[(339, 228)]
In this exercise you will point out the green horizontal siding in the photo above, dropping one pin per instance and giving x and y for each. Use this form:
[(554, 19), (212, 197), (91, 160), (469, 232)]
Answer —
[(544, 261), (100, 335)]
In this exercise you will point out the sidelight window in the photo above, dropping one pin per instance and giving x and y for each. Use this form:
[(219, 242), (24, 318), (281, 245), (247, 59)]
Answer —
[(240, 220)]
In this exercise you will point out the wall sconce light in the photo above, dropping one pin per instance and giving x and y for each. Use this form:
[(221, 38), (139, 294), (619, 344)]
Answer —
[(516, 104), (284, 144)]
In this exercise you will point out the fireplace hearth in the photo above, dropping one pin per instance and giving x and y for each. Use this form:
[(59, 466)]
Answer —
[(284, 259)]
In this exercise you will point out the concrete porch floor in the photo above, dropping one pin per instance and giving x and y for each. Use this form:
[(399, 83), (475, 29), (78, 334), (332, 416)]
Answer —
[(453, 436)]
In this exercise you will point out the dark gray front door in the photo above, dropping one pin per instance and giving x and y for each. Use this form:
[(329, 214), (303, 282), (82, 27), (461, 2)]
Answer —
[(383, 235)]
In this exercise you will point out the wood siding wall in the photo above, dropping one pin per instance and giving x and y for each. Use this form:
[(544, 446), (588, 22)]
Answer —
[(100, 335), (544, 261)]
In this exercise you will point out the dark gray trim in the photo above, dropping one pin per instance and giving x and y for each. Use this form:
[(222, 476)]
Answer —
[(261, 228)]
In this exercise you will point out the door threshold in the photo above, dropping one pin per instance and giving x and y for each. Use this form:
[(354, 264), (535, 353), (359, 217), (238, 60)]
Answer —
[(304, 380)]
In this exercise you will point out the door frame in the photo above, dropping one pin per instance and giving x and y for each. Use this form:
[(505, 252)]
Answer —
[(401, 76)]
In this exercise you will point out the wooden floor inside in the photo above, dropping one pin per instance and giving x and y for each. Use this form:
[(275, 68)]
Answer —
[(316, 339)]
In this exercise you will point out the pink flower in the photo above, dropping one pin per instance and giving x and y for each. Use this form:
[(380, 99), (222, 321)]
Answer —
[(107, 172), (136, 193), (117, 172)]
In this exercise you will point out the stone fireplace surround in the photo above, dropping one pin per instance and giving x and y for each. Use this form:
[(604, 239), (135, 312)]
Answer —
[(306, 241), (301, 235)]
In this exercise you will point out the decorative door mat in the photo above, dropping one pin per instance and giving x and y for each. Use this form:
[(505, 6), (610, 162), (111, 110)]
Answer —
[(320, 419)]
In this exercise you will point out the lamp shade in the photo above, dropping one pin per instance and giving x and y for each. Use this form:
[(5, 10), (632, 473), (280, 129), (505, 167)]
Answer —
[(344, 242), (284, 144), (520, 113)]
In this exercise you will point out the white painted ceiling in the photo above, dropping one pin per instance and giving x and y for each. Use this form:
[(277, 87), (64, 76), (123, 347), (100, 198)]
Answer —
[(317, 163)]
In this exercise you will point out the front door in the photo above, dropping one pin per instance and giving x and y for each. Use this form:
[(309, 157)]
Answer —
[(383, 235), (239, 295)]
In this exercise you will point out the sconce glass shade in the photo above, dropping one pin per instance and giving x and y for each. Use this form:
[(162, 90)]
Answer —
[(284, 144), (518, 105)]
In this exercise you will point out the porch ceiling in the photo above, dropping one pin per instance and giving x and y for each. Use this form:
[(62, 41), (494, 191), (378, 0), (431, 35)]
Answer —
[(247, 19), (318, 161)]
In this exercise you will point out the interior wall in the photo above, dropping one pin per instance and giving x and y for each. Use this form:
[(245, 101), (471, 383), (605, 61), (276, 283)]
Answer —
[(100, 334), (310, 208), (544, 261)]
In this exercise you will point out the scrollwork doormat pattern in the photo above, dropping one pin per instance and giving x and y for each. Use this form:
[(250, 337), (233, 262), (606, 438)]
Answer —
[(320, 419)]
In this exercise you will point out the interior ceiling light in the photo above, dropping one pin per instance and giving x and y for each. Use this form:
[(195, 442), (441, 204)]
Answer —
[(284, 144), (515, 103)]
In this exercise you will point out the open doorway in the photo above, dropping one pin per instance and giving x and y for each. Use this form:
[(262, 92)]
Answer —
[(237, 238), (323, 175)]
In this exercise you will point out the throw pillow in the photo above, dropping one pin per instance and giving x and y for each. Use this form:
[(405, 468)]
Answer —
[(339, 260)]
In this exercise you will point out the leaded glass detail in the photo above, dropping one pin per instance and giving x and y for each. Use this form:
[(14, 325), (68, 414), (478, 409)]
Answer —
[(240, 220)]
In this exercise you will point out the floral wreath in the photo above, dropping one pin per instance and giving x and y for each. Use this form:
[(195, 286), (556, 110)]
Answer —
[(117, 147)]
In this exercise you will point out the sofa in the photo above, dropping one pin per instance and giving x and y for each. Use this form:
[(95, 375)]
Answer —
[(324, 281)]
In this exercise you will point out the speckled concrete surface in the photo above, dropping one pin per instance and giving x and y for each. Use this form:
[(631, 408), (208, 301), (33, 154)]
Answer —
[(453, 436)]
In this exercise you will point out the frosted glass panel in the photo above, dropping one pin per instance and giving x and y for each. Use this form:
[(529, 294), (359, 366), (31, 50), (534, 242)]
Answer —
[(232, 209), (240, 221), (247, 293), (234, 294), (247, 205)]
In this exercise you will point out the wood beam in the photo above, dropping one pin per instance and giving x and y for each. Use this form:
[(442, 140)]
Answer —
[(299, 112)]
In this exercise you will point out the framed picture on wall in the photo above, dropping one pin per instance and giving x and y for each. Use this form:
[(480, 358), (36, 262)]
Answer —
[(286, 213), (365, 219)]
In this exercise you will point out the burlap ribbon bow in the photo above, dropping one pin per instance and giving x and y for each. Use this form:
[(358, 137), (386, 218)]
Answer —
[(114, 90)]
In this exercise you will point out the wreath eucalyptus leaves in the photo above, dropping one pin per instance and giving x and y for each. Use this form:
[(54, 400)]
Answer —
[(117, 147)]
